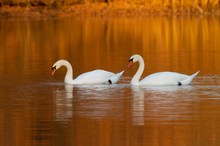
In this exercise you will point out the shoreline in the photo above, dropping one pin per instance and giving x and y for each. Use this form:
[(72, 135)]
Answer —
[(101, 10)]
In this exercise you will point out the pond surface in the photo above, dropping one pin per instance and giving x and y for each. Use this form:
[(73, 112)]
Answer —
[(36, 109)]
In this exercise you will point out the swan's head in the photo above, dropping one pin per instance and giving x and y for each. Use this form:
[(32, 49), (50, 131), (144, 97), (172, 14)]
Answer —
[(57, 65), (133, 59)]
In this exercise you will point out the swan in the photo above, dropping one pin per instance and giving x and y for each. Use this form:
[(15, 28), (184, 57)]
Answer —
[(160, 78), (92, 77)]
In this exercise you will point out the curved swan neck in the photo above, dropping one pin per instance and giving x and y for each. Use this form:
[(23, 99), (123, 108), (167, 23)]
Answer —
[(137, 76), (69, 73)]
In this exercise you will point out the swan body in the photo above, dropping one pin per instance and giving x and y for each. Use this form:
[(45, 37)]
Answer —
[(92, 77), (160, 78)]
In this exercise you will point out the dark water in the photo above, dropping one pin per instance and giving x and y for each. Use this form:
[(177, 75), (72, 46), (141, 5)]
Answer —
[(36, 109)]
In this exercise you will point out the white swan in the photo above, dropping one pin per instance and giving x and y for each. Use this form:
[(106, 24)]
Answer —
[(160, 78), (92, 77)]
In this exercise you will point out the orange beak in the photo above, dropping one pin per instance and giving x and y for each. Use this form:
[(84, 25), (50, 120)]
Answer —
[(130, 63), (53, 72)]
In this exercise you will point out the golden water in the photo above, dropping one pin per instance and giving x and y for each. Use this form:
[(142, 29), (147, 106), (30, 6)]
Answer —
[(38, 110)]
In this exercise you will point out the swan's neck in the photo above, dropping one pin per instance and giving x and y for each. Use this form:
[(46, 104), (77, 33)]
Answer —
[(136, 78), (69, 73)]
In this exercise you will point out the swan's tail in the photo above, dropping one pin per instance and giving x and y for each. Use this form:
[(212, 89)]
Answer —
[(114, 79), (188, 80)]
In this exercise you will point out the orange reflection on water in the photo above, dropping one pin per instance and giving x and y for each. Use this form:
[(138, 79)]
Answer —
[(182, 44), (34, 111)]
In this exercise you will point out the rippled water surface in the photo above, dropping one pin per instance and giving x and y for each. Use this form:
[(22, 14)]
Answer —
[(36, 109)]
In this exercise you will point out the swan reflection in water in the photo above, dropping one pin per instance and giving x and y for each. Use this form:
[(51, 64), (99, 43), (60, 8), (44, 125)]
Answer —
[(151, 103), (137, 105), (160, 103), (94, 101), (99, 101), (64, 106)]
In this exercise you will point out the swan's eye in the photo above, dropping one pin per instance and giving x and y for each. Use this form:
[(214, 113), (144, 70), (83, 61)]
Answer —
[(54, 68), (131, 60)]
